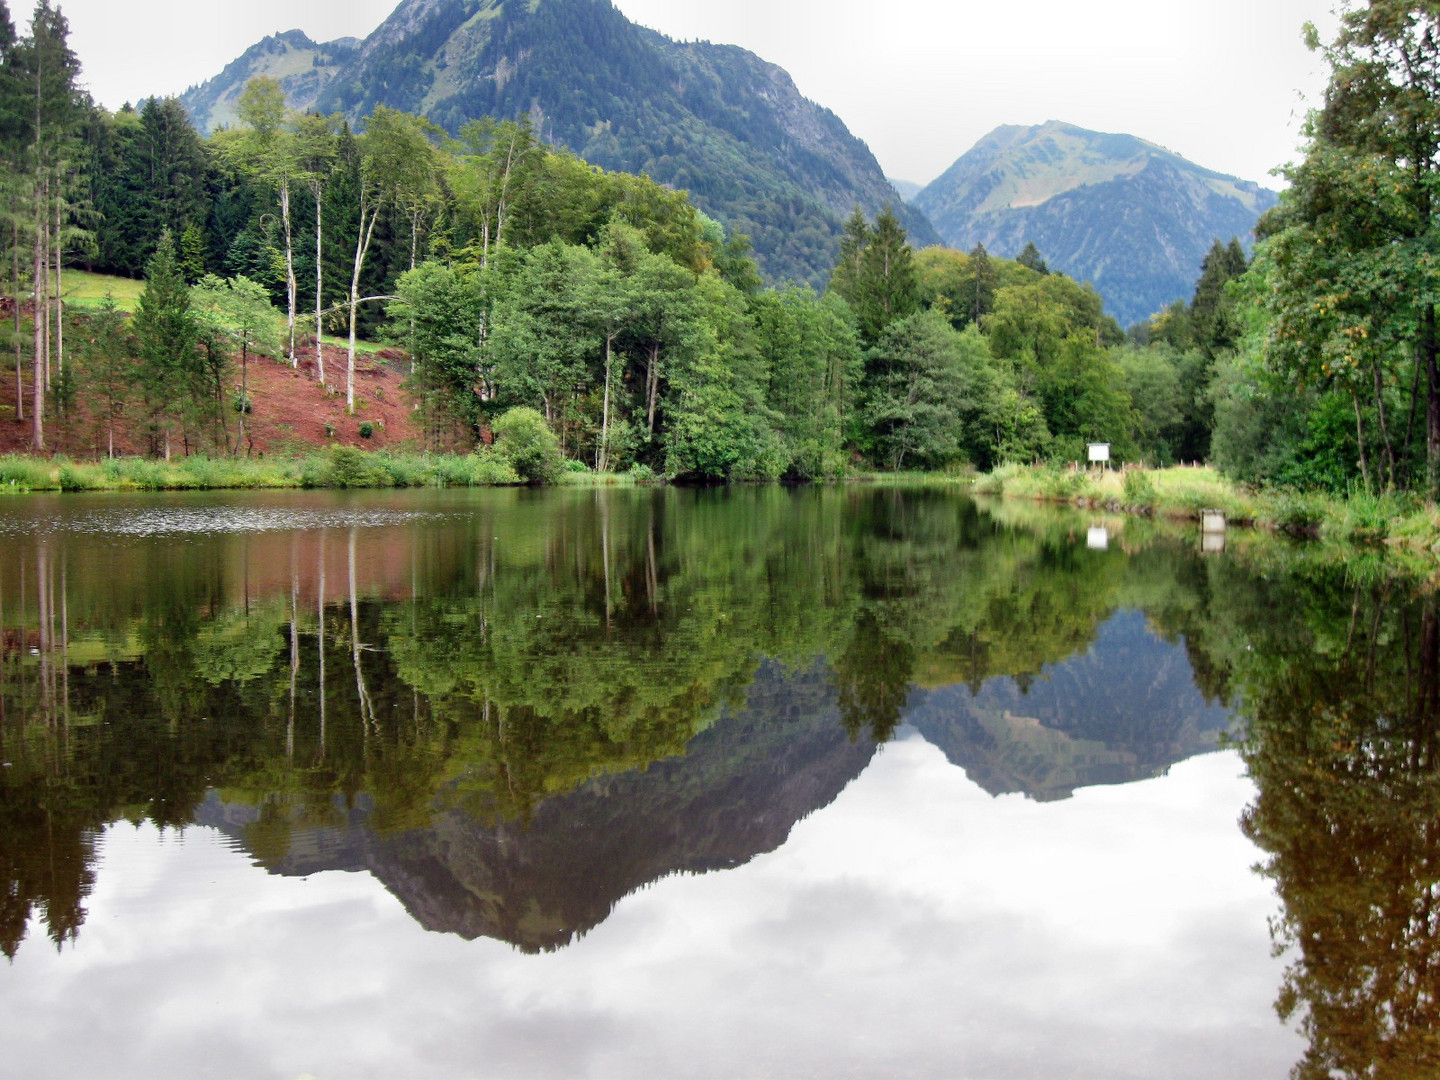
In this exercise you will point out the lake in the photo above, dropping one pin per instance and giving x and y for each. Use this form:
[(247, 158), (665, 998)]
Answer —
[(753, 782)]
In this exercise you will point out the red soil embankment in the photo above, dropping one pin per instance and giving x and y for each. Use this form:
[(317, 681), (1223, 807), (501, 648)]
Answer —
[(290, 410)]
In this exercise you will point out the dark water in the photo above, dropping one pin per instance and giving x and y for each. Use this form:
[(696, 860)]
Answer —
[(757, 783)]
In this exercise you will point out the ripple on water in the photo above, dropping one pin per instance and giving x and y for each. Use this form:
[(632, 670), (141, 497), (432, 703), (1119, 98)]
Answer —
[(211, 520)]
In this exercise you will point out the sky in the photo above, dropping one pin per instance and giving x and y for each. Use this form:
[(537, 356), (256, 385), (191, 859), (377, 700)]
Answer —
[(1224, 83)]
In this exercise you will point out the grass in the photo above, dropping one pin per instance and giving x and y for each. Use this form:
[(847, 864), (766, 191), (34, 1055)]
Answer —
[(87, 291), (341, 467), (1182, 493)]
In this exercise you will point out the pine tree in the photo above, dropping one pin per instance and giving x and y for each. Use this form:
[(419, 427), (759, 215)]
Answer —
[(845, 279), (1031, 259), (166, 335), (983, 276)]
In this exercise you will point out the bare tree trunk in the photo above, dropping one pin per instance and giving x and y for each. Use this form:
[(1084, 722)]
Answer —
[(1360, 440), (292, 288), (319, 291), (1385, 442), (602, 463), (15, 279), (1432, 401), (59, 296), (653, 380), (37, 438), (362, 248)]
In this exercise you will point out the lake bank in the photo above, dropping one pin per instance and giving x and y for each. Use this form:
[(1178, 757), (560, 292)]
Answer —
[(1184, 493)]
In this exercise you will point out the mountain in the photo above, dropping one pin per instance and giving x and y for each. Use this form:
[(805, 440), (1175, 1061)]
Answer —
[(715, 120), (908, 189), (1129, 216), (1125, 709)]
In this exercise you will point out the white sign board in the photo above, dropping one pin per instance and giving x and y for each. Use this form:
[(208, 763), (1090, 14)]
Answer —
[(1099, 452)]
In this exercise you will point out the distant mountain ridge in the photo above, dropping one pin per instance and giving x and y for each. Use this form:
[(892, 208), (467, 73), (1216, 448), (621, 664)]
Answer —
[(1131, 217), (715, 120)]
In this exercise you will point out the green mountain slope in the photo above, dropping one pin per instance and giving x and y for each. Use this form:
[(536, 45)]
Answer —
[(715, 120), (1125, 214)]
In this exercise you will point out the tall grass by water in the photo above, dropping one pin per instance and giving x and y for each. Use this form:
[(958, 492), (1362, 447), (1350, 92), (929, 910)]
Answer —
[(342, 467), (1184, 492)]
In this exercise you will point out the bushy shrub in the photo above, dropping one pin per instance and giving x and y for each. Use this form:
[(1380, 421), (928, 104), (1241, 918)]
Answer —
[(523, 439), (352, 468), (367, 429)]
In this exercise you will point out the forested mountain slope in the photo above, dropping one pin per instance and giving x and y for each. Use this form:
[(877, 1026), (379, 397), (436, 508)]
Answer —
[(1131, 217), (714, 120)]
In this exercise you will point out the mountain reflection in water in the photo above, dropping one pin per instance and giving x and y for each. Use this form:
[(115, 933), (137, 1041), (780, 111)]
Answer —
[(515, 709)]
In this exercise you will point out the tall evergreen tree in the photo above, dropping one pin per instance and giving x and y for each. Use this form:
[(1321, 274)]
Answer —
[(166, 336), (983, 289), (1030, 259)]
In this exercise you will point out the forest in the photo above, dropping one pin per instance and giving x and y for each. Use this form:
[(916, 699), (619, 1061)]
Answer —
[(515, 276)]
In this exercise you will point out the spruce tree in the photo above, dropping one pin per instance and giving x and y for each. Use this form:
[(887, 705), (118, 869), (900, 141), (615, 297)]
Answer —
[(1031, 259), (887, 289), (166, 334), (983, 283)]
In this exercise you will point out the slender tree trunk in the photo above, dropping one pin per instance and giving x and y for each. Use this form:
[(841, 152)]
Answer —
[(1432, 401), (59, 296), (45, 278), (602, 463), (244, 391), (1386, 445), (1409, 443), (292, 288), (1360, 440), (653, 381), (37, 438), (15, 279), (319, 277), (362, 248)]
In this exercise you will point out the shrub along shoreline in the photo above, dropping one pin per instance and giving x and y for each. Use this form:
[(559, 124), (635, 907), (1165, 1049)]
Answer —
[(1184, 492)]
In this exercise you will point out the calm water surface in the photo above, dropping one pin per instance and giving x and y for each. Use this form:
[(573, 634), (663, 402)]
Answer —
[(753, 783)]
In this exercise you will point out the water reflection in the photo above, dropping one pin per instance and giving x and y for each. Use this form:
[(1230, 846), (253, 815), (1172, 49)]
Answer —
[(515, 710), (1346, 711)]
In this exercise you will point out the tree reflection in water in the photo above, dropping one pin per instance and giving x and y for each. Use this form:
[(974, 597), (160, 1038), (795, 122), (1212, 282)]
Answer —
[(1342, 744)]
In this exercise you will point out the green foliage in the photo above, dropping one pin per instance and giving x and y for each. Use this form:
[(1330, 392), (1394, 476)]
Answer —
[(1139, 490), (526, 443), (347, 467)]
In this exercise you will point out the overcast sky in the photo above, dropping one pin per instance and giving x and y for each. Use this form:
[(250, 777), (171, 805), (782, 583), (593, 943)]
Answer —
[(1224, 83)]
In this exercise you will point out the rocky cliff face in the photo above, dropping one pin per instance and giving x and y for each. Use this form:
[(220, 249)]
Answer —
[(1129, 216), (714, 120)]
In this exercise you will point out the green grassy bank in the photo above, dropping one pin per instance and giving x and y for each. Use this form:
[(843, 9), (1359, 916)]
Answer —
[(1397, 519), (343, 467)]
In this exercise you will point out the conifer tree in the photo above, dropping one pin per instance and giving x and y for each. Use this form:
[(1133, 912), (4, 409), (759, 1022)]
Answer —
[(166, 335), (888, 289), (983, 276), (1030, 258)]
